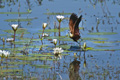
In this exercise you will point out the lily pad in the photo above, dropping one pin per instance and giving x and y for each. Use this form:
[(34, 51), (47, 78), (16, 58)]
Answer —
[(57, 13), (102, 33), (66, 47), (20, 19), (41, 55), (105, 49), (28, 58), (19, 31), (47, 58), (65, 54), (17, 63), (41, 66), (57, 30), (9, 66), (105, 41), (91, 38), (10, 70), (14, 12)]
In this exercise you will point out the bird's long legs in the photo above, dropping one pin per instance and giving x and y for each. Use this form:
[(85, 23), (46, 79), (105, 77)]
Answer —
[(80, 48)]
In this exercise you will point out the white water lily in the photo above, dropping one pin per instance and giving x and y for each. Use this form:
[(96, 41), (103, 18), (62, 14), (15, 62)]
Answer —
[(14, 26), (4, 53), (84, 45), (55, 41), (10, 39), (45, 35), (57, 50), (60, 18), (44, 25)]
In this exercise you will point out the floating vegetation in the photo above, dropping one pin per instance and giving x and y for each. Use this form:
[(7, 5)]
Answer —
[(105, 49), (41, 66), (20, 19), (91, 38), (38, 55), (14, 12), (47, 58), (17, 63), (27, 58), (57, 13), (106, 41), (10, 70), (57, 30), (102, 33), (19, 31)]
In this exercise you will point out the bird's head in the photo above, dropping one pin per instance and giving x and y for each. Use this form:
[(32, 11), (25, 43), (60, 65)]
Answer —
[(71, 35)]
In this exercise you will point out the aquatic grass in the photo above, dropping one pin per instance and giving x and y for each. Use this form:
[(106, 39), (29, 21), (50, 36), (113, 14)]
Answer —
[(102, 33)]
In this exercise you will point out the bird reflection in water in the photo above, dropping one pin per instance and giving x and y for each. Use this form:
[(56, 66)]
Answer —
[(74, 70)]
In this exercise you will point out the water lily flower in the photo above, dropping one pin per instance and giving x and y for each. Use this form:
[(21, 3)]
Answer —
[(45, 35), (4, 53), (14, 26), (44, 25), (60, 18), (58, 50), (55, 41), (84, 45), (9, 39)]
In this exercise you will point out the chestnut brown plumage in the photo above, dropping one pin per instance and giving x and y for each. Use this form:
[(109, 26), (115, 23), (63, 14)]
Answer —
[(74, 26)]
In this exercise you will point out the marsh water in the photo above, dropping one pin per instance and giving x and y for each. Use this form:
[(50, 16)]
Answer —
[(32, 58)]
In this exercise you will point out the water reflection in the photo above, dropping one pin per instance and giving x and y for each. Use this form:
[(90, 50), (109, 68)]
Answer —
[(74, 70)]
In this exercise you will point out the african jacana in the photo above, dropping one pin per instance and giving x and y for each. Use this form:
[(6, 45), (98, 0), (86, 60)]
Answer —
[(74, 26)]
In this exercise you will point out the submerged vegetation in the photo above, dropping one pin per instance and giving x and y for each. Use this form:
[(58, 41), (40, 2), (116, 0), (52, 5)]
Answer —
[(35, 42)]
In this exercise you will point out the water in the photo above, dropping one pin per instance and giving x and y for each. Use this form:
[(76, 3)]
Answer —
[(32, 60)]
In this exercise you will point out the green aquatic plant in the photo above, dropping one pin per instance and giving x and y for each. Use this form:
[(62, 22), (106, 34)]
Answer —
[(10, 70), (53, 13), (19, 31), (14, 12), (20, 19), (41, 66), (102, 33)]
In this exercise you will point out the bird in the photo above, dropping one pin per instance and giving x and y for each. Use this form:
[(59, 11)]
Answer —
[(74, 27)]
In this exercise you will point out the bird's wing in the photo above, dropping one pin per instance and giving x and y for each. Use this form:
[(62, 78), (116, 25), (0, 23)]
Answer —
[(72, 21), (77, 23)]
